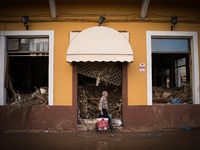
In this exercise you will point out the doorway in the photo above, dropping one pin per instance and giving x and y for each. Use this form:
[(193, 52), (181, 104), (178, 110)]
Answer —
[(93, 79)]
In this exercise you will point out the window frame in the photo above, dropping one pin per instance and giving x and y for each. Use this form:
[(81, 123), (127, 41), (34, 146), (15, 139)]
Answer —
[(194, 58), (3, 59)]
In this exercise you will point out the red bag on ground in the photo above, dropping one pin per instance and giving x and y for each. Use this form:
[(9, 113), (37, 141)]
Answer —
[(102, 123)]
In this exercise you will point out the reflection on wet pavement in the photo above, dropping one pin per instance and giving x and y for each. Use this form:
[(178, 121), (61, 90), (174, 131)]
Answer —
[(102, 145), (169, 140)]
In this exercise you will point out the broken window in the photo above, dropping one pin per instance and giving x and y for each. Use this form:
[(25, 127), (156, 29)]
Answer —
[(27, 70), (171, 71), (93, 79)]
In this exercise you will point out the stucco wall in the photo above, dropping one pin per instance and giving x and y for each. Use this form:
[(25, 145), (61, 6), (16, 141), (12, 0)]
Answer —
[(161, 116), (137, 81), (138, 117)]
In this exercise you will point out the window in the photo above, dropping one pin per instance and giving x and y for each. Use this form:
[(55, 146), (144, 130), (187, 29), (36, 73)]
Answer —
[(171, 70), (180, 62), (13, 44), (181, 72), (28, 45), (41, 44), (194, 59), (5, 36), (27, 67), (170, 45)]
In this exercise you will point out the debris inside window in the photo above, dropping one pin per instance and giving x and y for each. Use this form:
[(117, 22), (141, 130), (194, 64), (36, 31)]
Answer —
[(167, 95), (27, 83)]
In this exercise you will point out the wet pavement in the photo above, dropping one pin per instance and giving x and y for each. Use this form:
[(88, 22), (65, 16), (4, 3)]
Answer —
[(90, 140)]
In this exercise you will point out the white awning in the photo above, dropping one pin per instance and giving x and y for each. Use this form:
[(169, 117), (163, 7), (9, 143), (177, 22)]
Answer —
[(99, 44)]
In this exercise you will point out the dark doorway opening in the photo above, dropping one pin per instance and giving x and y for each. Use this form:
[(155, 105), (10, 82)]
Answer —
[(93, 79)]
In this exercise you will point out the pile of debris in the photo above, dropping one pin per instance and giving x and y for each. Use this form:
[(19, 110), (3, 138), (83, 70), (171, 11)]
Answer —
[(166, 95), (89, 96), (21, 102)]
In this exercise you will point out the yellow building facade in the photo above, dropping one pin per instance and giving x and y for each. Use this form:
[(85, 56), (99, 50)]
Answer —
[(120, 16)]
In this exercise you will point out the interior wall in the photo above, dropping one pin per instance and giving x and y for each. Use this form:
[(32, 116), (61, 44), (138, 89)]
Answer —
[(137, 81)]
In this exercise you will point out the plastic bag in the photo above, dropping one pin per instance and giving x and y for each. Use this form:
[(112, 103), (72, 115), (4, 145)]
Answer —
[(118, 122), (102, 123)]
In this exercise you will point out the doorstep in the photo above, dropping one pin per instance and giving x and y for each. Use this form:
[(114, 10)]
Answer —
[(83, 127), (93, 121), (89, 124)]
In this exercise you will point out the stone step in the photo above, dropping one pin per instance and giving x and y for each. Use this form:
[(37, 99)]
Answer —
[(93, 121), (92, 127)]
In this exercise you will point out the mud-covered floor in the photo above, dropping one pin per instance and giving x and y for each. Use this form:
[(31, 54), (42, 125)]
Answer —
[(85, 140)]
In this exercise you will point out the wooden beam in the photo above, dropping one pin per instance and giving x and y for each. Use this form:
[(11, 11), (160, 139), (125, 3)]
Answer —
[(52, 4), (144, 8)]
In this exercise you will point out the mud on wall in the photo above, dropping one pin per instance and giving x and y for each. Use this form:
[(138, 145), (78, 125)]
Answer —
[(161, 116), (39, 118), (138, 117)]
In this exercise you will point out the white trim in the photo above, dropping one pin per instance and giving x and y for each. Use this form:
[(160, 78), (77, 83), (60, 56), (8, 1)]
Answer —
[(194, 55), (51, 69), (52, 4), (149, 70), (4, 35), (144, 8), (2, 69)]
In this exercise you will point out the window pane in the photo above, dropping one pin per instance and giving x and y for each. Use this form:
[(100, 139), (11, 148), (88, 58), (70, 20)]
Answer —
[(181, 62), (170, 45), (40, 44), (13, 44), (180, 76)]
